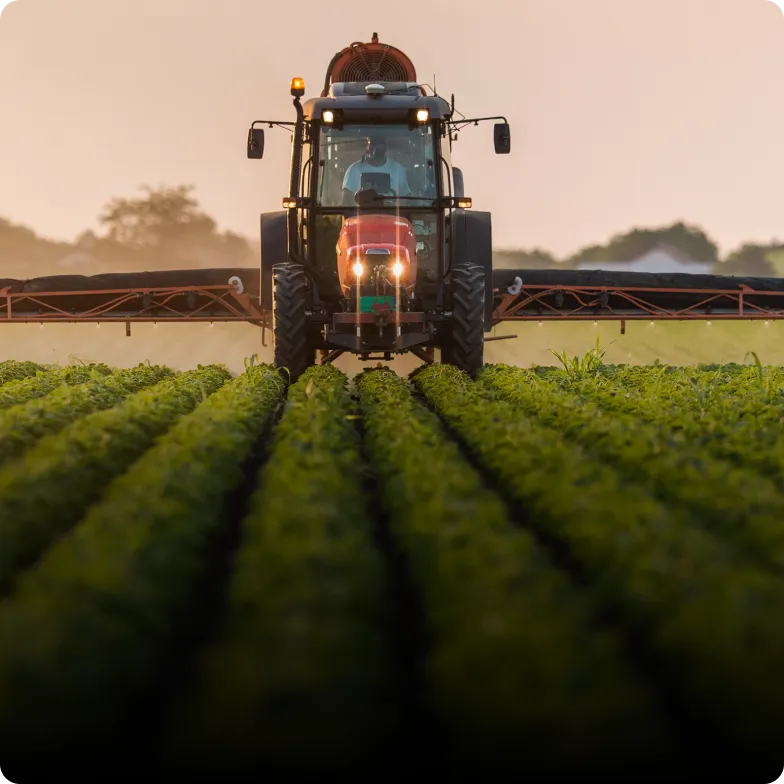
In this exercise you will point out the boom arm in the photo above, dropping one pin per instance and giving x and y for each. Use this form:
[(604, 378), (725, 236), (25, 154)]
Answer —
[(518, 295)]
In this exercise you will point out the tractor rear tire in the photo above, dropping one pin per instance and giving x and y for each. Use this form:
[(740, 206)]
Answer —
[(465, 344), (294, 349)]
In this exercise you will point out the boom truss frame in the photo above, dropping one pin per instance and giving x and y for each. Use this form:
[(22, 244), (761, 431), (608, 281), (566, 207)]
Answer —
[(531, 302)]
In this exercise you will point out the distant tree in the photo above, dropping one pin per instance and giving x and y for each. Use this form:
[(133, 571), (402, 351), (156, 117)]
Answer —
[(25, 253), (157, 222), (524, 259), (166, 227), (691, 240), (749, 260)]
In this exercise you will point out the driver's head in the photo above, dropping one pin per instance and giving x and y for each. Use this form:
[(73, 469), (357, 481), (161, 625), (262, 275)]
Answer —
[(376, 150)]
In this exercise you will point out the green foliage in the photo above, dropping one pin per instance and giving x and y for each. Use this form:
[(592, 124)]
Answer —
[(13, 370), (300, 671), (22, 425), (46, 491), (140, 551), (542, 524), (737, 424), (22, 390), (737, 504), (580, 367), (496, 607), (694, 604)]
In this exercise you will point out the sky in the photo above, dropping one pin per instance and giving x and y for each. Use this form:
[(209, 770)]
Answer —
[(623, 113)]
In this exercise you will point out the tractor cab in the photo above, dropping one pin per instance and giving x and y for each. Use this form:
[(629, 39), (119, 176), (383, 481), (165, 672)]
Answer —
[(375, 228), (378, 193)]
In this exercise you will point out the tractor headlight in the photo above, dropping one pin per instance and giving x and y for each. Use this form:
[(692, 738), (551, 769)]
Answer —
[(358, 269), (397, 269), (327, 116), (423, 115)]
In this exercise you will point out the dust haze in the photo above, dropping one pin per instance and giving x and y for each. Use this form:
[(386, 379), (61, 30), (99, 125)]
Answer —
[(184, 346)]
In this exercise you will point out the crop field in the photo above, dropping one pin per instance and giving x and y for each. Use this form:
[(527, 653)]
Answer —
[(564, 570)]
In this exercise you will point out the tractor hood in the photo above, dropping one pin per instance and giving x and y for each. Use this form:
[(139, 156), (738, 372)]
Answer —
[(376, 240)]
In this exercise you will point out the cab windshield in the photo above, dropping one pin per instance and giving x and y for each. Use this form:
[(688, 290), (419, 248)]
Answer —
[(395, 162)]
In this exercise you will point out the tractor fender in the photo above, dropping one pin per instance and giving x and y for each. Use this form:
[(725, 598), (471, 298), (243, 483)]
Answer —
[(274, 250), (472, 241)]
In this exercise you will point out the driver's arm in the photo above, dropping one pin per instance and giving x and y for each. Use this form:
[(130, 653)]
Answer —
[(351, 182)]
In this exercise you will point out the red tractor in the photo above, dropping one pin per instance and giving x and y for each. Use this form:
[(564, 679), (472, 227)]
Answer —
[(376, 251)]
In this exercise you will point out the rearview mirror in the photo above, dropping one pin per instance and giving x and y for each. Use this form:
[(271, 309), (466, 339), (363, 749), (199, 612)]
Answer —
[(457, 174), (256, 143), (502, 139)]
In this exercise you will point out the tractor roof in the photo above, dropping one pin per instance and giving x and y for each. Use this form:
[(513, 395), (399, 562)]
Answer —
[(397, 98)]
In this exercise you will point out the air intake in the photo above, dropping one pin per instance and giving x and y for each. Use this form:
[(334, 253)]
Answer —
[(373, 62), (373, 66)]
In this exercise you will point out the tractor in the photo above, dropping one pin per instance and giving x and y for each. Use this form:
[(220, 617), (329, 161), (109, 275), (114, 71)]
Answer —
[(376, 250)]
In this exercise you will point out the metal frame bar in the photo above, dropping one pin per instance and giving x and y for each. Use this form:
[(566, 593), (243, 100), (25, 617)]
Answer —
[(588, 303), (50, 306), (581, 303)]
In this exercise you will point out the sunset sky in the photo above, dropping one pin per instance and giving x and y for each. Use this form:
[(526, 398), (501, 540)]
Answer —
[(623, 112)]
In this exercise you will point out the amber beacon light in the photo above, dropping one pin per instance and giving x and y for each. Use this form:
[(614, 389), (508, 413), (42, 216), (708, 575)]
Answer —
[(297, 87)]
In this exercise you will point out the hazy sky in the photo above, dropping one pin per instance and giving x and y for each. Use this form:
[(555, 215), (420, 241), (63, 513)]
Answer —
[(623, 112)]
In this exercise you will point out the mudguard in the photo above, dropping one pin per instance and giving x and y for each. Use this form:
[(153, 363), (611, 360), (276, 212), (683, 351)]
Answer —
[(274, 250), (472, 240)]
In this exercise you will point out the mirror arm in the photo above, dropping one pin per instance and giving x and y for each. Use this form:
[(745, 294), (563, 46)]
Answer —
[(475, 121), (273, 123)]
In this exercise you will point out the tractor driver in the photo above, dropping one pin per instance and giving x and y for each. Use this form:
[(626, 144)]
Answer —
[(375, 161)]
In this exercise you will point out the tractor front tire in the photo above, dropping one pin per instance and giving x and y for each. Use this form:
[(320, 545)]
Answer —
[(294, 350), (465, 344)]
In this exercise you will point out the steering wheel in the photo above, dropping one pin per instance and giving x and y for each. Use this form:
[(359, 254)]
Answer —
[(368, 196)]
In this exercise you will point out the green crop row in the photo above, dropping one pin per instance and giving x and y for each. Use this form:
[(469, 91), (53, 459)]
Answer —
[(731, 396), (750, 378), (703, 614), (89, 625), (14, 370), (300, 673), (516, 666), (44, 493), (21, 390), (730, 502), (746, 430), (22, 425)]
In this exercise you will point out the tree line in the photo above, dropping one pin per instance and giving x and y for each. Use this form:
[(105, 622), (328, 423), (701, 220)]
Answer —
[(751, 259), (162, 228), (165, 227)]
